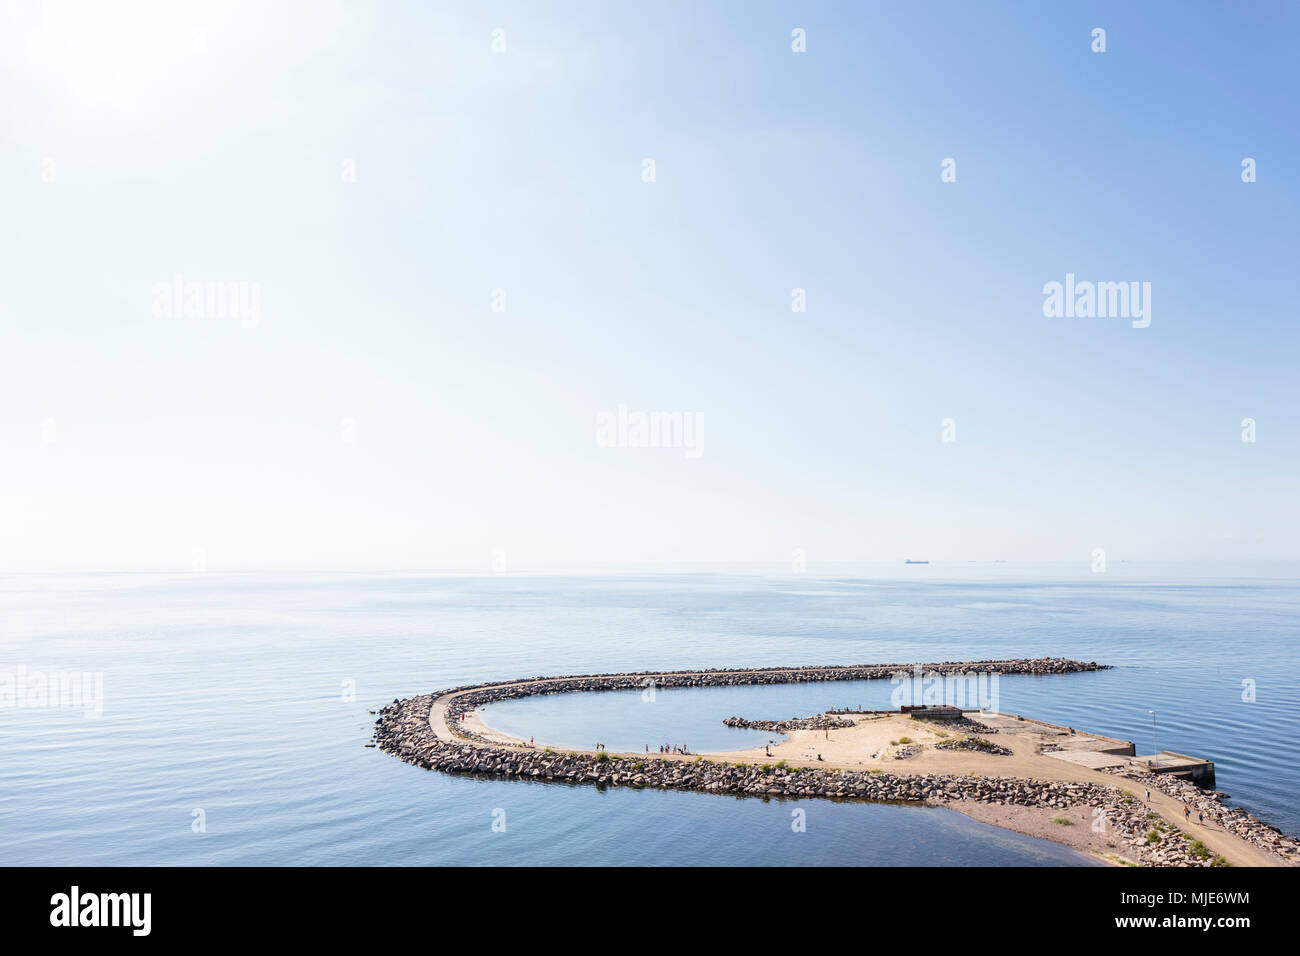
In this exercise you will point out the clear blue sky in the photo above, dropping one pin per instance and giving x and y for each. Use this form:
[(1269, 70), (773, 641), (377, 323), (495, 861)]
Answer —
[(208, 141)]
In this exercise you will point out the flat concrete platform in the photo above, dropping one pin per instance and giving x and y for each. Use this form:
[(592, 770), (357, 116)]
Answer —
[(1092, 759), (1200, 772), (1095, 751), (1052, 738)]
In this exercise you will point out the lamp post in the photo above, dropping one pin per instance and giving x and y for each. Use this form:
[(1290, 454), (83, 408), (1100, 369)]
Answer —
[(1155, 747)]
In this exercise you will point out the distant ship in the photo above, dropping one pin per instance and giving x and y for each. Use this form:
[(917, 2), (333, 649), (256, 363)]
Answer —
[(910, 561)]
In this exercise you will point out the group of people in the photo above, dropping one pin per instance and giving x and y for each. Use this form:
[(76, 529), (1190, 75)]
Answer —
[(670, 749), (663, 748), (1187, 811)]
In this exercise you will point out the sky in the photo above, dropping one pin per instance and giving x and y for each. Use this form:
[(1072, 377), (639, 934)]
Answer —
[(454, 261)]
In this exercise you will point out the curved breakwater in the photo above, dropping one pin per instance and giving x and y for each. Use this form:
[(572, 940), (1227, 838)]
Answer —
[(427, 731), (472, 696)]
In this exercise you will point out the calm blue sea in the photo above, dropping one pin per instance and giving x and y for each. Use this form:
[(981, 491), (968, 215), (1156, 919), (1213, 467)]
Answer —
[(230, 695)]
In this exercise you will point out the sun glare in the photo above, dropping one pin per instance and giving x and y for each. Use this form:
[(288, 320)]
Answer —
[(115, 57)]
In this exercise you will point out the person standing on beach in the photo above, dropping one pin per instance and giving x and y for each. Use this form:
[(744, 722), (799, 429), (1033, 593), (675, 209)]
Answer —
[(1148, 796), (1187, 813)]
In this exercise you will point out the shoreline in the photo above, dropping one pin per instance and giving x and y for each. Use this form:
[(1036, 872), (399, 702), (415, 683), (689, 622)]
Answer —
[(1041, 797)]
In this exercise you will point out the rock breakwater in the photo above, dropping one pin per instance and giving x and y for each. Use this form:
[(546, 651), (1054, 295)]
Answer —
[(819, 722), (471, 696), (405, 730), (1235, 820)]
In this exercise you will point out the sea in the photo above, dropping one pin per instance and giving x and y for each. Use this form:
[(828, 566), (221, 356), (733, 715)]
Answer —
[(214, 719)]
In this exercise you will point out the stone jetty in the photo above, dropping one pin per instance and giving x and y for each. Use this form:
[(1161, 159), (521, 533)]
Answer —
[(819, 722), (474, 695), (428, 732), (1245, 825), (404, 730)]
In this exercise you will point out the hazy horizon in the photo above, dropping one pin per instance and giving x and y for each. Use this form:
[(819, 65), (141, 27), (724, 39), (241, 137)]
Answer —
[(934, 571)]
